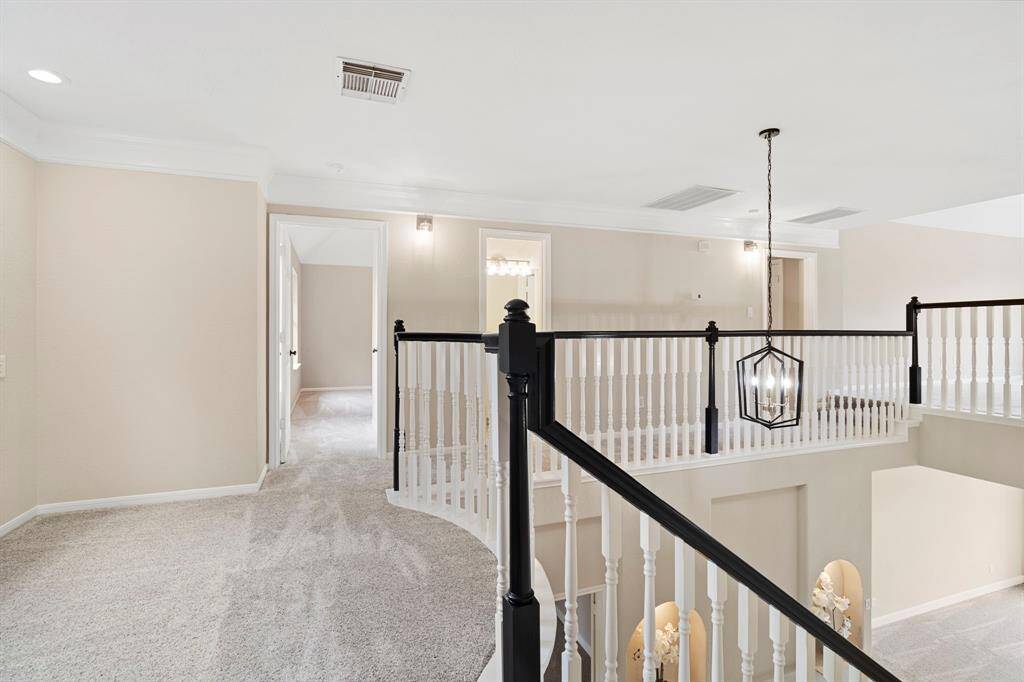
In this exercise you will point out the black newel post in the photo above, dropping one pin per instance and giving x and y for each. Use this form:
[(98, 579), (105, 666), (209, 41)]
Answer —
[(520, 619), (915, 368), (711, 411), (399, 327)]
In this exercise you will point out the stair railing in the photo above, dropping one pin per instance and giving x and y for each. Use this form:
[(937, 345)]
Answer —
[(527, 359), (968, 356)]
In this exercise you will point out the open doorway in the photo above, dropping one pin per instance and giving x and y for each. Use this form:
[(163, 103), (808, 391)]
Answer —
[(327, 316), (794, 290), (514, 265)]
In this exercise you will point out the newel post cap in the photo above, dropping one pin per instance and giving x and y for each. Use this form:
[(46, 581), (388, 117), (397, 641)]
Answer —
[(517, 340)]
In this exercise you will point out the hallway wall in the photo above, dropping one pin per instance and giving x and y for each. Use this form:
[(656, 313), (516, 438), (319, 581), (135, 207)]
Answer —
[(17, 333), (151, 332), (336, 320)]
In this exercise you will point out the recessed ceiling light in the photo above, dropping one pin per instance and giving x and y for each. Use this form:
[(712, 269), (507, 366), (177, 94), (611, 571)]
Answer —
[(44, 76)]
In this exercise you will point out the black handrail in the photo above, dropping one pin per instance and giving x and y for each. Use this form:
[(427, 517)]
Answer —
[(700, 334), (971, 304), (517, 331), (441, 337)]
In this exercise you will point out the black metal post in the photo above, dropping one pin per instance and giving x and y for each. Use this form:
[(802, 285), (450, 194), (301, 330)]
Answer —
[(711, 411), (520, 616), (399, 327), (915, 368)]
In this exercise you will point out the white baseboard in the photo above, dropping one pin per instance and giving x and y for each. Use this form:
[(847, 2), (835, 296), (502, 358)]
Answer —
[(942, 602), (18, 520), (133, 500), (334, 388)]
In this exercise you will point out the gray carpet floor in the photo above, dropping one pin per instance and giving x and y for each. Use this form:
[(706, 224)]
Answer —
[(980, 640), (314, 577)]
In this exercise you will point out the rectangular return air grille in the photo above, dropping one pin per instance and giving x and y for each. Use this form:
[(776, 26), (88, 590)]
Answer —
[(830, 214), (692, 197), (371, 81)]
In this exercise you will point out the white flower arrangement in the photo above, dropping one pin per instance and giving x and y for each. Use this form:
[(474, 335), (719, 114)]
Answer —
[(831, 607), (666, 647)]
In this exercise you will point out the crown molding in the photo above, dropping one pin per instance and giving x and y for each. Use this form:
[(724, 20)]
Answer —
[(345, 195), (55, 143)]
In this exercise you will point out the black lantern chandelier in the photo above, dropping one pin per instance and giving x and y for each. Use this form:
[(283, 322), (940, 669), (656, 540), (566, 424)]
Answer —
[(769, 379)]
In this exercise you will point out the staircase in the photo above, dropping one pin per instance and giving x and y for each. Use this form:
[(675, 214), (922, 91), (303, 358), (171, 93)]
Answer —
[(609, 406)]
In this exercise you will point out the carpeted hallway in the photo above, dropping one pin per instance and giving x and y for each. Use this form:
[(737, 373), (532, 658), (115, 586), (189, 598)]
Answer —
[(314, 577)]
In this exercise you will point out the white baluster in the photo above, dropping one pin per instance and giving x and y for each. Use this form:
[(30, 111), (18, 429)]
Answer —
[(499, 519), (455, 386), (597, 400), (1020, 393), (686, 601), (829, 432), (424, 416), (610, 417), (411, 447), (441, 383), (846, 412), (747, 634), (472, 484), (674, 378), (611, 548), (974, 360), (1007, 411), (569, 388), (859, 391), (830, 666), (929, 332), (944, 387), (638, 453), (778, 632), (624, 428), (805, 657), (718, 592), (813, 395), (650, 542), (687, 351), (663, 406), (698, 360), (958, 385), (990, 329), (571, 662), (649, 454), (726, 360), (483, 383), (583, 388)]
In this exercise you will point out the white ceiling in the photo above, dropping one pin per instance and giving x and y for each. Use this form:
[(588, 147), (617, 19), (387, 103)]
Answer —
[(898, 108), (333, 245), (1003, 217)]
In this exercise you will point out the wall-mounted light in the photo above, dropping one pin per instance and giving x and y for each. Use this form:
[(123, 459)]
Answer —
[(503, 267), (750, 246), (425, 223)]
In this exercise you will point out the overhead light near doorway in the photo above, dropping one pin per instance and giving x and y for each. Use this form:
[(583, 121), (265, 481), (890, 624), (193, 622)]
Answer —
[(371, 81), (45, 76), (425, 223), (503, 267)]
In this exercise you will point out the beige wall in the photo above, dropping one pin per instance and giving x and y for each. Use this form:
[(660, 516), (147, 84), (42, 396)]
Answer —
[(17, 333), (884, 265), (936, 534), (337, 321), (151, 332)]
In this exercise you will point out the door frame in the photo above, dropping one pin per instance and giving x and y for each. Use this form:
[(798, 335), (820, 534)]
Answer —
[(545, 263), (279, 380), (810, 282)]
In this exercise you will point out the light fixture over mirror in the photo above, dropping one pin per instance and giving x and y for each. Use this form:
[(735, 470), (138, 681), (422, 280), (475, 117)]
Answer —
[(770, 380), (425, 223), (504, 267)]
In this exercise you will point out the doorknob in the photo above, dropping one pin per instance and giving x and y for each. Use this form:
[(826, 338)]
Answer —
[(293, 352), (374, 350)]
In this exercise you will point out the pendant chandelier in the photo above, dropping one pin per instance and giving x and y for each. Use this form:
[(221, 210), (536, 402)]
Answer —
[(769, 379)]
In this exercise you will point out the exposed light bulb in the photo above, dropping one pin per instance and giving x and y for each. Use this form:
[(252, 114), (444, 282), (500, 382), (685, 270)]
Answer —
[(769, 382)]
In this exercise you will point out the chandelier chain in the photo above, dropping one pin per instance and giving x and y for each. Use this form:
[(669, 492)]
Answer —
[(769, 335)]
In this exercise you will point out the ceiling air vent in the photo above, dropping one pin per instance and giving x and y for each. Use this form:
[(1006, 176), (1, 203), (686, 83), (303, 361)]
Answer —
[(830, 214), (692, 197), (371, 81)]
